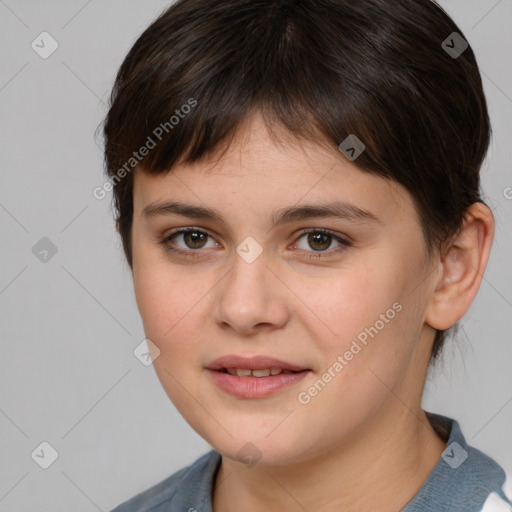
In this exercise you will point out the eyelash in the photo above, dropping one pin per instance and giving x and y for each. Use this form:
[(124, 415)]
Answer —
[(191, 253)]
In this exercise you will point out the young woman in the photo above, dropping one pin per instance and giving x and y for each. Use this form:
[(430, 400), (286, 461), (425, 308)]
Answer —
[(297, 191)]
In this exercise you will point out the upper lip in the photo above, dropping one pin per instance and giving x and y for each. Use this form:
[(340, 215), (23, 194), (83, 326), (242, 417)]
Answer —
[(252, 363)]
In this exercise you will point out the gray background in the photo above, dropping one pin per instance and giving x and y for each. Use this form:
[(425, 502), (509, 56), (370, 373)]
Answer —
[(69, 326)]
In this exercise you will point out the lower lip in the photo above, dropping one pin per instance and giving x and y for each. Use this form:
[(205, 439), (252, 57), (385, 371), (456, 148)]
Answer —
[(255, 387)]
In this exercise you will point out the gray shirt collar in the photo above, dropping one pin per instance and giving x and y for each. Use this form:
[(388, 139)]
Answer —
[(461, 481)]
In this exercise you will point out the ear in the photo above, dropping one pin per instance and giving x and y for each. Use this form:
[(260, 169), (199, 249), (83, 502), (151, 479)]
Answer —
[(461, 268)]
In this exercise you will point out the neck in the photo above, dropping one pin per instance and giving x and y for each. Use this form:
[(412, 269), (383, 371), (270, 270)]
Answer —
[(380, 468)]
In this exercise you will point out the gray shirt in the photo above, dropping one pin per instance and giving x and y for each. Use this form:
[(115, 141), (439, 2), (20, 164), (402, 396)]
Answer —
[(464, 480)]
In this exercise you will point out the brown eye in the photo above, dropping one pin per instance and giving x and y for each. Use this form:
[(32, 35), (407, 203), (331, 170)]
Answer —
[(190, 241), (194, 239), (320, 241)]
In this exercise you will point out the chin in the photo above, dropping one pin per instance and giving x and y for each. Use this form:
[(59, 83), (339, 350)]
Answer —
[(252, 450)]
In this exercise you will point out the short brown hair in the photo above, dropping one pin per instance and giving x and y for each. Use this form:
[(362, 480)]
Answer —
[(320, 69)]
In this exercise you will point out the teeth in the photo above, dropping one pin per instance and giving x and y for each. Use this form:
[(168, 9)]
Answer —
[(261, 373), (246, 372)]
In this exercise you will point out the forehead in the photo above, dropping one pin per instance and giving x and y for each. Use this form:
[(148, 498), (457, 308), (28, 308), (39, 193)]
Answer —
[(258, 174)]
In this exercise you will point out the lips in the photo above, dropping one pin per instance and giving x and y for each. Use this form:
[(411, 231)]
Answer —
[(254, 377), (252, 363)]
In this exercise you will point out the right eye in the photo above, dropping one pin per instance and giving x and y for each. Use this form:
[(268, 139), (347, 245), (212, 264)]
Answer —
[(193, 239)]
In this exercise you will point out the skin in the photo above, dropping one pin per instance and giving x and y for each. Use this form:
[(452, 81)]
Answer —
[(363, 442)]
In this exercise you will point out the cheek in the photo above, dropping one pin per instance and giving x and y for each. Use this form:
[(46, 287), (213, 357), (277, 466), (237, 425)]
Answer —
[(152, 301), (172, 305), (158, 290), (353, 299), (371, 320)]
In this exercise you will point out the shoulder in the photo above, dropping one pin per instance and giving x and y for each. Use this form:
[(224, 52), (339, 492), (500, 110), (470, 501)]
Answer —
[(484, 477), (464, 480), (500, 500), (187, 487)]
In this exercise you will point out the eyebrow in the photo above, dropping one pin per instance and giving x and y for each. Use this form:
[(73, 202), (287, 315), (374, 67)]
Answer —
[(337, 209)]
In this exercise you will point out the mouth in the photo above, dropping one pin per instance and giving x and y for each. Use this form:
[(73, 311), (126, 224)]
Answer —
[(265, 372), (254, 377)]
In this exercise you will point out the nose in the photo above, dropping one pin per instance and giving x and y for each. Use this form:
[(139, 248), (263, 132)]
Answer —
[(251, 298)]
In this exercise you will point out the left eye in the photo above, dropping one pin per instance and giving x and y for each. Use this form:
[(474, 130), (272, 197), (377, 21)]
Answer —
[(321, 240)]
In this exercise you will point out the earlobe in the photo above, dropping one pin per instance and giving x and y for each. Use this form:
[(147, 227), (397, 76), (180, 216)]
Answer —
[(462, 266)]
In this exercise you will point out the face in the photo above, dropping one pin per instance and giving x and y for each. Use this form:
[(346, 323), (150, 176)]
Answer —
[(341, 296)]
